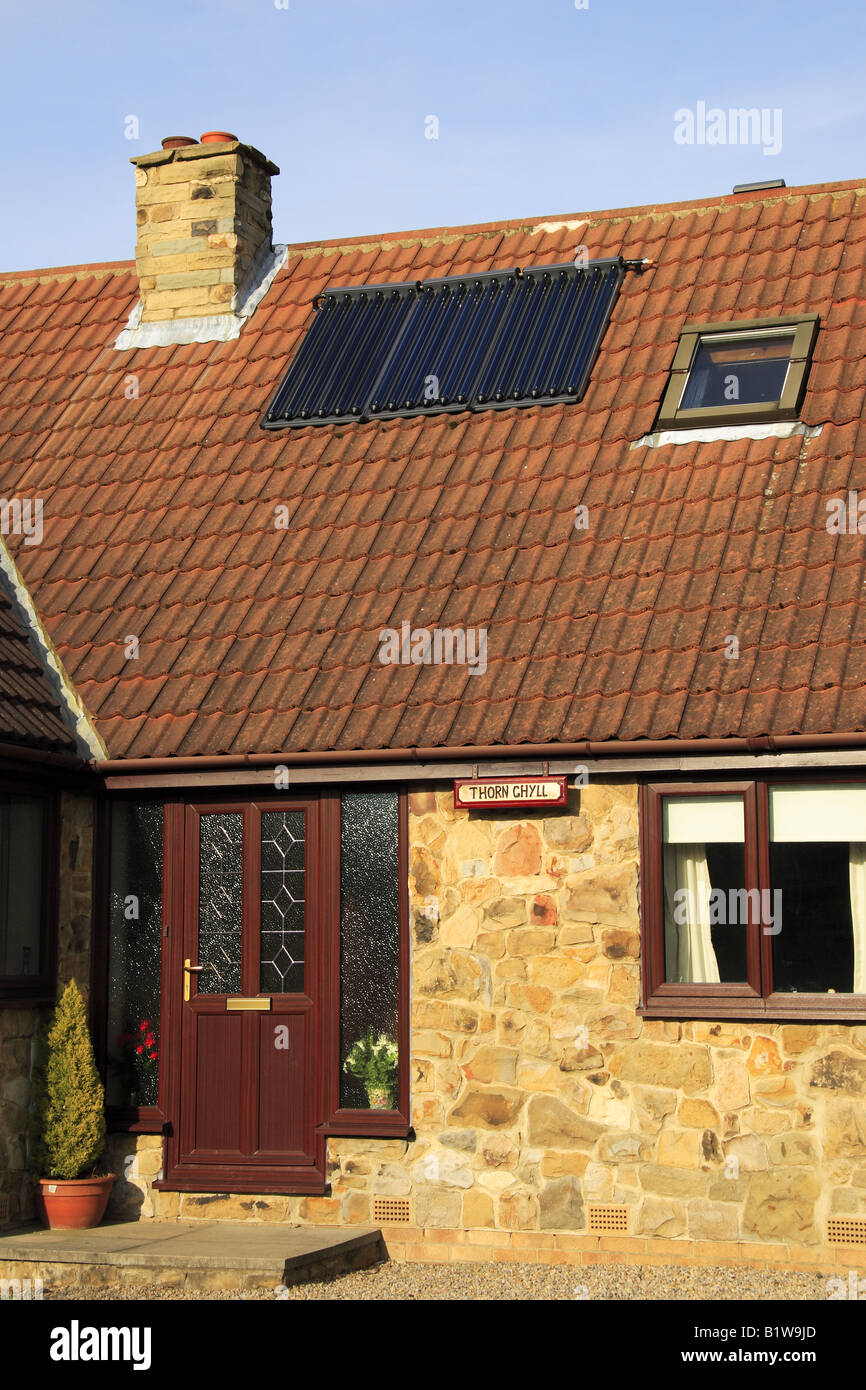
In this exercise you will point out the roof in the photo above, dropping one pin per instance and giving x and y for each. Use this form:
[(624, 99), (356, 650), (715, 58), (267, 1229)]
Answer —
[(159, 508), (30, 711)]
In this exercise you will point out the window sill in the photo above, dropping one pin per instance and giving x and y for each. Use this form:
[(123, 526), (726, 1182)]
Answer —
[(146, 1119), (782, 1008), (370, 1124), (20, 999)]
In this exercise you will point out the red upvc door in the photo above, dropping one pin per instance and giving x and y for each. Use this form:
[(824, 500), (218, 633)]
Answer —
[(247, 987)]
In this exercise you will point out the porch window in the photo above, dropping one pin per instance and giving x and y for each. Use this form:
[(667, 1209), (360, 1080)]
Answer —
[(369, 929), (28, 873), (754, 900), (134, 944)]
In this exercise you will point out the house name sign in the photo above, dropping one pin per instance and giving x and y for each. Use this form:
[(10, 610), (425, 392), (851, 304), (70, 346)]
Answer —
[(472, 792)]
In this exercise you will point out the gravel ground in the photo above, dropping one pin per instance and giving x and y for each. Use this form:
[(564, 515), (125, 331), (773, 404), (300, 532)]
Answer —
[(468, 1282)]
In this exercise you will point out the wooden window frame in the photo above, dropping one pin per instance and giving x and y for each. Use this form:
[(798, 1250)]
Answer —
[(805, 328), (35, 990), (754, 998), (380, 1124)]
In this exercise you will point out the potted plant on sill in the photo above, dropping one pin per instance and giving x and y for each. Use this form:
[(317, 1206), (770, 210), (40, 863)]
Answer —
[(67, 1126), (374, 1061)]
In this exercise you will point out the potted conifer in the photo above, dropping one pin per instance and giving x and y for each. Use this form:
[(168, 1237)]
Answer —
[(67, 1123)]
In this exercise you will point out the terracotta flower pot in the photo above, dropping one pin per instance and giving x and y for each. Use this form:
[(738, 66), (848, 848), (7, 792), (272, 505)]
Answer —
[(177, 142), (217, 137), (73, 1204)]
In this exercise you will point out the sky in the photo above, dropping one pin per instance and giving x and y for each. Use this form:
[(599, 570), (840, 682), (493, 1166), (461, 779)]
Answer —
[(391, 115)]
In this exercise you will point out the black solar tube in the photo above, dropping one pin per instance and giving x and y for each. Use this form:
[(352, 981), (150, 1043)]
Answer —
[(552, 293), (490, 374), (538, 380), (362, 372), (516, 339), (373, 320), (304, 363), (310, 396), (583, 350), (485, 326), (305, 368), (385, 349), (562, 372), (357, 377), (443, 320), (431, 357), (393, 389), (454, 346)]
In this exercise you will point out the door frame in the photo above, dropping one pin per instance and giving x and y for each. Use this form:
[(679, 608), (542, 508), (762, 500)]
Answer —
[(180, 865)]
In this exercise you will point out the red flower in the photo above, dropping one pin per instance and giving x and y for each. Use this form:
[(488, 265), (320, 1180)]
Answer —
[(144, 1025), (150, 1040), (139, 1048), (154, 1056)]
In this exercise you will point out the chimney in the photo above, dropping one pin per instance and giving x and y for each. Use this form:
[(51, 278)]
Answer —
[(204, 225)]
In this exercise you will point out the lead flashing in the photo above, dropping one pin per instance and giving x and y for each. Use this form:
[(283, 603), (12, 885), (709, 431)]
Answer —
[(213, 328), (710, 434)]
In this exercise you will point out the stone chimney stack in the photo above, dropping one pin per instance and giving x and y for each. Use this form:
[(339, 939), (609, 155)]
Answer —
[(204, 226)]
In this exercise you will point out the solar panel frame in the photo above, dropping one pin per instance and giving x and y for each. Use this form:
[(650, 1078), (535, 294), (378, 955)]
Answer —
[(501, 338)]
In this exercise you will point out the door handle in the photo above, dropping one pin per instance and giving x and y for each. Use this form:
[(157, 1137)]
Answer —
[(189, 970)]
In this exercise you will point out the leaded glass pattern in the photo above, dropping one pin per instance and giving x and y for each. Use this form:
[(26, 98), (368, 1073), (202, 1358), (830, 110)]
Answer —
[(220, 902), (369, 927), (134, 947), (283, 896)]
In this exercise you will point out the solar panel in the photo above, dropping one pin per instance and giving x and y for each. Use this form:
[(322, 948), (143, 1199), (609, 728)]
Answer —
[(479, 342)]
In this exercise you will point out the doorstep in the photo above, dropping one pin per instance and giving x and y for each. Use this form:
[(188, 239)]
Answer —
[(201, 1255)]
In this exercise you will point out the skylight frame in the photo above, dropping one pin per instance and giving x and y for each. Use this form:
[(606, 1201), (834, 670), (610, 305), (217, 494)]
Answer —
[(601, 286), (805, 330)]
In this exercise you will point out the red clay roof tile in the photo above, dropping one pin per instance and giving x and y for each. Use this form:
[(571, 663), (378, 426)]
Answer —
[(160, 510)]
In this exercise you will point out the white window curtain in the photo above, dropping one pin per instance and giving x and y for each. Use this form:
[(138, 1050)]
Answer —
[(857, 883), (689, 954)]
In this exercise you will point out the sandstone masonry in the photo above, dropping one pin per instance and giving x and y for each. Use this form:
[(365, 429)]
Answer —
[(538, 1092), (204, 223)]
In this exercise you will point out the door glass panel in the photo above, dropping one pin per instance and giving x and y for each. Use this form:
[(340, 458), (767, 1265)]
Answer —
[(220, 902), (283, 894)]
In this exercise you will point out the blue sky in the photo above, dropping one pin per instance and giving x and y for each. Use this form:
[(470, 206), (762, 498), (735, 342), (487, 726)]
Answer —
[(542, 107)]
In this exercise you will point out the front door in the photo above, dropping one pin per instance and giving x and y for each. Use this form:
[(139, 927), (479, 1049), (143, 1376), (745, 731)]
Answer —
[(248, 993)]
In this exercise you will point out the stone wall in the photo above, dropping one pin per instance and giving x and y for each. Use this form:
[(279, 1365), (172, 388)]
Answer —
[(537, 1091), (19, 1026)]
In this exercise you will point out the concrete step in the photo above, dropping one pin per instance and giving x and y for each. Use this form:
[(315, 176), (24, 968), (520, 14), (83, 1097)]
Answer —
[(198, 1255)]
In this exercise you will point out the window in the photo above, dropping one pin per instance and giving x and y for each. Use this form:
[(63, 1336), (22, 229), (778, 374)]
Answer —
[(369, 928), (28, 903), (746, 372), (483, 342), (754, 900), (134, 946)]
